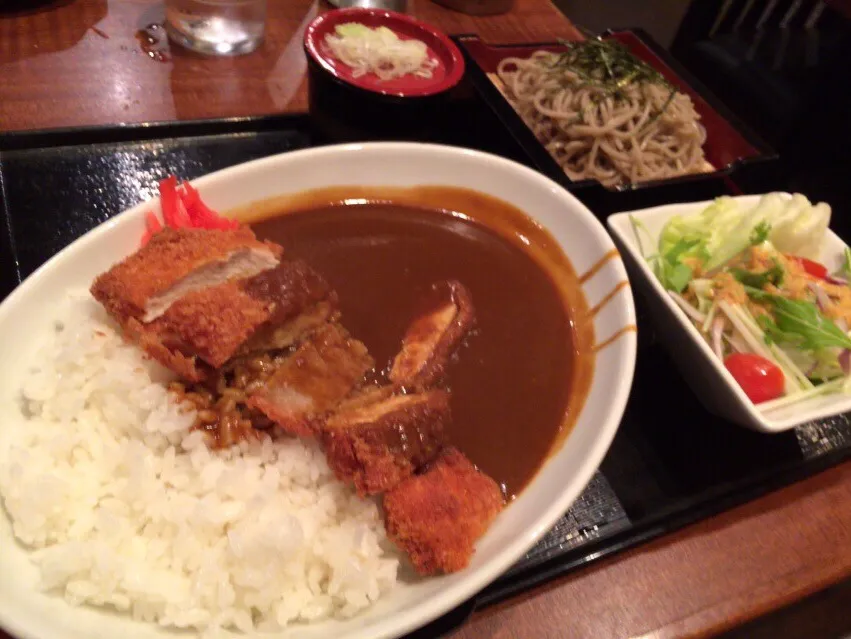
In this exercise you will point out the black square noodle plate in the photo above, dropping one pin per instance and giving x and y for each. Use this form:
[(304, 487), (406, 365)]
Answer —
[(730, 146), (671, 463)]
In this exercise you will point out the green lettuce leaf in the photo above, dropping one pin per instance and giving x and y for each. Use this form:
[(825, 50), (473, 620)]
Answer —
[(774, 275), (798, 323)]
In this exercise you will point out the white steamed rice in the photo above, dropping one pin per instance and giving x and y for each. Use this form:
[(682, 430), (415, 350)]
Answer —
[(123, 506)]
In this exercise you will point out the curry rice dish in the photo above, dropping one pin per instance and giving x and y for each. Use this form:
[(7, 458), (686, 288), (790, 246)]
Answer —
[(261, 354), (269, 347)]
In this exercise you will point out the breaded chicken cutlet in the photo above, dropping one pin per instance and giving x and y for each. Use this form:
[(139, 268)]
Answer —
[(437, 517), (380, 437), (375, 445), (311, 382), (176, 262), (432, 338), (195, 298), (259, 339)]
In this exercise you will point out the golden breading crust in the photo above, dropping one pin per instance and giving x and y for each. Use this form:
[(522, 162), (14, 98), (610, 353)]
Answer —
[(376, 446), (204, 328), (209, 325), (169, 256), (432, 338), (321, 373), (438, 516)]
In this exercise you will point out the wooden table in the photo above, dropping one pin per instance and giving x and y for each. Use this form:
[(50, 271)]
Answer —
[(79, 63)]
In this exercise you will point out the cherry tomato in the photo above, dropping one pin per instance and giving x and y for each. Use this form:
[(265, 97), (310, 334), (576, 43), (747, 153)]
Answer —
[(813, 268), (761, 379)]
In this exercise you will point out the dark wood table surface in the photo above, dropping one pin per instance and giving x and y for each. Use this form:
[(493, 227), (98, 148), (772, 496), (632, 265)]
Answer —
[(79, 62)]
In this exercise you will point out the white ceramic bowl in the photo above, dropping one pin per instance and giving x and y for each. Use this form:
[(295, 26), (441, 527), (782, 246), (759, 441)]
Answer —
[(705, 373), (25, 317)]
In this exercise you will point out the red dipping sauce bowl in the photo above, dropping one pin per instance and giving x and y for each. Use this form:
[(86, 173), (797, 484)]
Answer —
[(347, 108)]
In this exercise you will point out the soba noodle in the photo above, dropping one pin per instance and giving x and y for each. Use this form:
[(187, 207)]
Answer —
[(626, 131)]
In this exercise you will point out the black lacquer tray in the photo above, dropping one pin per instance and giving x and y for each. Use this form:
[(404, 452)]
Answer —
[(671, 463)]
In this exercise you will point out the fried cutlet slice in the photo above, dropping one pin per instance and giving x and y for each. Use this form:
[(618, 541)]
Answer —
[(207, 327), (375, 445), (177, 262), (280, 336), (201, 330), (438, 516), (321, 373), (432, 338)]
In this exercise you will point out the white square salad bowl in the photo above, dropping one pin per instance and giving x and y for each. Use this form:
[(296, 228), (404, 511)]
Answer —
[(716, 388), (25, 321)]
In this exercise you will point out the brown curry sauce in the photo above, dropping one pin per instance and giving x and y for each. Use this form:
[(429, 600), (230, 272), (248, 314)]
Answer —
[(521, 379)]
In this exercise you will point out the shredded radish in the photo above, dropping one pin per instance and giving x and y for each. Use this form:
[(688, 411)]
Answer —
[(688, 309), (747, 327), (713, 310), (735, 343), (717, 331), (822, 299), (811, 370), (379, 51)]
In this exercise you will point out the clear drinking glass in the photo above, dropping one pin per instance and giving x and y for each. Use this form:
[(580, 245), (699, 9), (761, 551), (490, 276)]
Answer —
[(399, 6), (216, 27)]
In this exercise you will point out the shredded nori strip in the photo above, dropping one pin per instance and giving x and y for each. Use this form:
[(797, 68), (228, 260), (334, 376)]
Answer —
[(607, 64)]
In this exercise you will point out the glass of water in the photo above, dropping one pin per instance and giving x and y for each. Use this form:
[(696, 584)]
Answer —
[(399, 6), (216, 27)]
